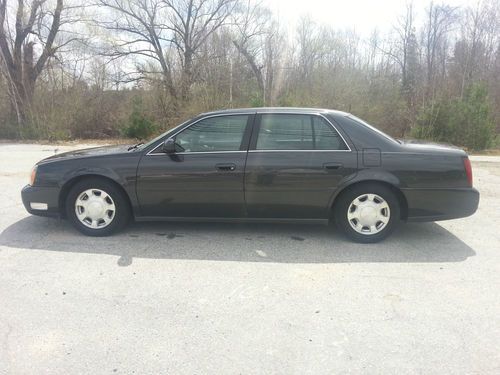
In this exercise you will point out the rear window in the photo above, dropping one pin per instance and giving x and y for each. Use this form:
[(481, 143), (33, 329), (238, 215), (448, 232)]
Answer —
[(363, 123)]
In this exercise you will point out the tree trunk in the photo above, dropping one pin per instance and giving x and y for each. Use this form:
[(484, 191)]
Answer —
[(257, 71), (17, 56), (187, 75)]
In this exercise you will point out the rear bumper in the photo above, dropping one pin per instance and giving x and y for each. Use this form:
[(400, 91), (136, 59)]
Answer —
[(41, 201), (440, 204)]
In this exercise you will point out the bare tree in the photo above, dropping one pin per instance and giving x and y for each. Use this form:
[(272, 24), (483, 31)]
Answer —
[(192, 22), (167, 32), (440, 20), (179, 57), (479, 39), (18, 48), (309, 45), (258, 39), (408, 54)]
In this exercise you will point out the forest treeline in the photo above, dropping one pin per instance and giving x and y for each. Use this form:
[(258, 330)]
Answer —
[(110, 68)]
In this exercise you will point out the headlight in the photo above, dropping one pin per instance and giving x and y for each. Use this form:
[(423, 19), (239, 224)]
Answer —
[(33, 175)]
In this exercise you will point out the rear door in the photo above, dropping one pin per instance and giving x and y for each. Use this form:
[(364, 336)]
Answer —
[(294, 165), (204, 178)]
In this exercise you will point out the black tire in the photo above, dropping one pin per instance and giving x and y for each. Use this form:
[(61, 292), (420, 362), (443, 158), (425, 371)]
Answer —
[(122, 211), (343, 203)]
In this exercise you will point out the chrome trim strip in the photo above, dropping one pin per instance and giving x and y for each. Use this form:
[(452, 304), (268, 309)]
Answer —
[(203, 118), (310, 113), (200, 152), (256, 151), (232, 219)]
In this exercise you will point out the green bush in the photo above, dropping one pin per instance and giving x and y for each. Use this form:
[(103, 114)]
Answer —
[(8, 129), (139, 125), (464, 122), (495, 143), (256, 100)]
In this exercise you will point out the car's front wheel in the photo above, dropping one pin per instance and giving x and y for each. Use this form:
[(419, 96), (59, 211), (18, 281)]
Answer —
[(367, 213), (97, 207)]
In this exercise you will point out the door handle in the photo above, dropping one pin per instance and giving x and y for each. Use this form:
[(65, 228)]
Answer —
[(332, 165), (226, 167)]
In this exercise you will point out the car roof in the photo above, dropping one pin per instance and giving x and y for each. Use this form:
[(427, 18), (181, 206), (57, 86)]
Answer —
[(295, 110)]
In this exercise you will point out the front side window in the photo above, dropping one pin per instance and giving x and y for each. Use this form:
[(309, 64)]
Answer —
[(297, 132), (224, 133)]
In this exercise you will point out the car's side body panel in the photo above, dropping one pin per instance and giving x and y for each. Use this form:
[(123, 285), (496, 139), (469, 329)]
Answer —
[(425, 170), (194, 184), (295, 184), (440, 204), (265, 185), (285, 184), (431, 177), (55, 175), (190, 185)]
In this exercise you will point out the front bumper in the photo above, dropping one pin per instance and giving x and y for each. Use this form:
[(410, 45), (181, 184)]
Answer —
[(41, 201), (440, 204)]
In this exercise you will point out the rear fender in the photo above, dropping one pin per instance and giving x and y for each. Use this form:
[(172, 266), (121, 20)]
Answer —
[(367, 175)]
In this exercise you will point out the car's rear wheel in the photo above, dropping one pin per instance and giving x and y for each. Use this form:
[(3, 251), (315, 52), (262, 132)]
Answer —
[(97, 207), (367, 213)]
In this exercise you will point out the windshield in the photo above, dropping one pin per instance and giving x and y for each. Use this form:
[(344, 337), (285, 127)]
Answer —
[(364, 123), (156, 139)]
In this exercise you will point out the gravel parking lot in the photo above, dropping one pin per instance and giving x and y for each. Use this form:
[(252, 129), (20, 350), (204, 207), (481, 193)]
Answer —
[(229, 299)]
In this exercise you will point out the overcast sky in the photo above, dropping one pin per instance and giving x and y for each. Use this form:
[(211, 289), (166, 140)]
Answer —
[(362, 15)]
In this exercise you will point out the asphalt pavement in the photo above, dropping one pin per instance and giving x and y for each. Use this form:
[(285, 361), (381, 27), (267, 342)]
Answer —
[(183, 298)]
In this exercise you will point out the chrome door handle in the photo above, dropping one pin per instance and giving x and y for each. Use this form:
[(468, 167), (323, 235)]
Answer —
[(332, 165), (226, 167)]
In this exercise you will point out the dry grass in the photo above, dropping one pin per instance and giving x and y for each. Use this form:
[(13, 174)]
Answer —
[(495, 152), (118, 141), (74, 142)]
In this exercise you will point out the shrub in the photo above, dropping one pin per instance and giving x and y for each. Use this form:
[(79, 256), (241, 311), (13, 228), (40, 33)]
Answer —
[(465, 122), (139, 125), (256, 100)]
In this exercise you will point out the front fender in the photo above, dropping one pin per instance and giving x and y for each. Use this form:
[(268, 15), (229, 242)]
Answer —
[(96, 171), (127, 185)]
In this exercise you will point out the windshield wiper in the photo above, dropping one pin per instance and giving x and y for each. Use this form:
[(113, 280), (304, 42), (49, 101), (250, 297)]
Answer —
[(135, 146)]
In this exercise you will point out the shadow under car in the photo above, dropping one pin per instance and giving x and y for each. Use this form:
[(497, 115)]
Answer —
[(279, 243)]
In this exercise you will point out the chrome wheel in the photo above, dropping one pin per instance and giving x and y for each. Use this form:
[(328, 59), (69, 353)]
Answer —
[(95, 208), (368, 214)]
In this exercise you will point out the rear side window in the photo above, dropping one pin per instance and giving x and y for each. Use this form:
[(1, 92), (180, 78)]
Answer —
[(223, 133), (285, 132), (326, 137), (297, 132)]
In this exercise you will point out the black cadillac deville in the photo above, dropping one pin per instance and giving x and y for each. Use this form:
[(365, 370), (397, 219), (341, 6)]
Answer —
[(259, 165)]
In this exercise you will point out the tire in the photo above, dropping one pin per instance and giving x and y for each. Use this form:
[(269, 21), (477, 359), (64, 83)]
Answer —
[(367, 213), (97, 207)]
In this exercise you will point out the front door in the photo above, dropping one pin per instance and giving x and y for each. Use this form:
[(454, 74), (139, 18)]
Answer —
[(295, 163), (204, 178)]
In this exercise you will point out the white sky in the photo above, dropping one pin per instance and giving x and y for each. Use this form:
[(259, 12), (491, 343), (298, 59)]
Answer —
[(362, 15)]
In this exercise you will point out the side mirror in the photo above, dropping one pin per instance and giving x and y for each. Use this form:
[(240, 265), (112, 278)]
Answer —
[(169, 146)]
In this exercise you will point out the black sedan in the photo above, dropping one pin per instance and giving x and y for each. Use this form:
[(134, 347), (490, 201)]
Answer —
[(258, 165)]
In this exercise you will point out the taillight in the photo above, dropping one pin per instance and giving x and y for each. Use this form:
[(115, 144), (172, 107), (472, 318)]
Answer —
[(468, 170)]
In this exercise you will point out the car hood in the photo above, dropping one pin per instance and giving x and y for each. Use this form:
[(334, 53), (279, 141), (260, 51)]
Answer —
[(88, 152), (430, 147)]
